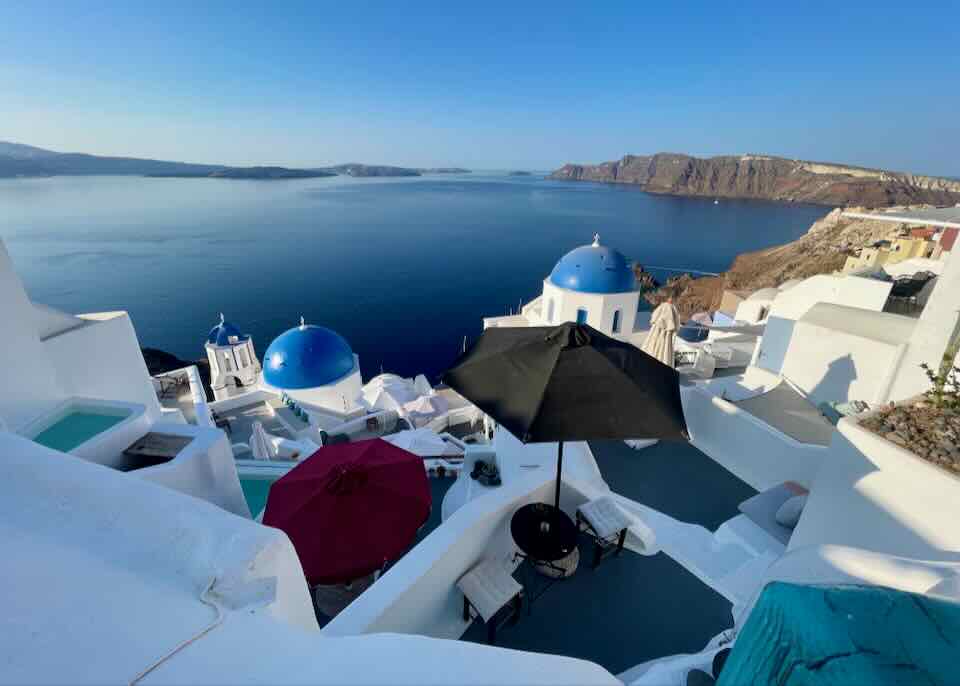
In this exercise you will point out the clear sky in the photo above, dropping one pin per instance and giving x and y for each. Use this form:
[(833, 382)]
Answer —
[(484, 84)]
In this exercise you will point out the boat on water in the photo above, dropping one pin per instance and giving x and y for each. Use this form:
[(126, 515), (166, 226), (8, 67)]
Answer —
[(130, 505)]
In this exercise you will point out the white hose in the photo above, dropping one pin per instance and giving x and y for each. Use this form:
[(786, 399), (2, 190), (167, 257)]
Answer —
[(183, 644)]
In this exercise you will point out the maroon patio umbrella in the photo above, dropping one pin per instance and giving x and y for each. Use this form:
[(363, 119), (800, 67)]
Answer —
[(350, 508)]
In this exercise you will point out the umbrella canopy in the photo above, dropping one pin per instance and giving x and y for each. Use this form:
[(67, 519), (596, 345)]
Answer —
[(569, 383), (350, 508), (663, 326)]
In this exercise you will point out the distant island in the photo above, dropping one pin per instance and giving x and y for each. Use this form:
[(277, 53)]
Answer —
[(764, 177), (260, 173), (520, 173), (19, 160)]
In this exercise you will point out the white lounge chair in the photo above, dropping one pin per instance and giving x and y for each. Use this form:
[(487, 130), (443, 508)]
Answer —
[(489, 589), (607, 523)]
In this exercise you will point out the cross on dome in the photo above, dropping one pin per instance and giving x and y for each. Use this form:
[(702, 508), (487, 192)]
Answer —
[(596, 240)]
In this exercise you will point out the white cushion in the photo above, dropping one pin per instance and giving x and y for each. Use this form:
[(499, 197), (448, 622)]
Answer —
[(488, 587), (605, 516), (788, 514)]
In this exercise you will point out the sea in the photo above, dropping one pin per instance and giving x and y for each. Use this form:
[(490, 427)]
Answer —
[(403, 268)]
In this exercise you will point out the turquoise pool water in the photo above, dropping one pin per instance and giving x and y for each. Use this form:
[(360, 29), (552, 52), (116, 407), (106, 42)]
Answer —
[(255, 490), (75, 428)]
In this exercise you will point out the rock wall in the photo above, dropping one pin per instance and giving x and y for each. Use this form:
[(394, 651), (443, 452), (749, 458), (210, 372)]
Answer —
[(822, 250), (766, 178)]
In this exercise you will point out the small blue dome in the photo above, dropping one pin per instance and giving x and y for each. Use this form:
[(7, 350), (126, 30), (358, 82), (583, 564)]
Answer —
[(221, 333), (594, 269), (307, 356)]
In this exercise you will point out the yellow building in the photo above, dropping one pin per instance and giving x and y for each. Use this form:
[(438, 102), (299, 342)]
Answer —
[(891, 251)]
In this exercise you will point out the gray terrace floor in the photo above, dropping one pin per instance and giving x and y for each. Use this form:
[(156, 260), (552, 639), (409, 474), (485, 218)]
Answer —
[(631, 609), (242, 418), (674, 478)]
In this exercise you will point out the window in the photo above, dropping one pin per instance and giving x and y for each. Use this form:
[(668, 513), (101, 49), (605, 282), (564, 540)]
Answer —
[(581, 315), (616, 321), (227, 362), (550, 311)]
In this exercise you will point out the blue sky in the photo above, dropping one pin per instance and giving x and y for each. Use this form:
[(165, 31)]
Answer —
[(484, 85)]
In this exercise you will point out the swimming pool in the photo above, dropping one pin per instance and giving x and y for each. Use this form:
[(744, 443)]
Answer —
[(255, 490), (78, 426)]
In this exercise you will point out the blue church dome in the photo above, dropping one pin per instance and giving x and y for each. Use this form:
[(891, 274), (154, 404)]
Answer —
[(594, 269), (221, 333), (307, 356)]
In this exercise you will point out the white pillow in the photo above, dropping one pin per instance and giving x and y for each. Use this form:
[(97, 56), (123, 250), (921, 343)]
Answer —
[(788, 514)]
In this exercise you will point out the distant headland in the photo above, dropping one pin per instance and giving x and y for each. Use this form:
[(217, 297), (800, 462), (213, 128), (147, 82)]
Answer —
[(19, 160), (763, 177)]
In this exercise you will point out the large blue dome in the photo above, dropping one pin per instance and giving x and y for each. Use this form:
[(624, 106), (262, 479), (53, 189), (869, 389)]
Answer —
[(594, 269), (307, 356), (222, 332)]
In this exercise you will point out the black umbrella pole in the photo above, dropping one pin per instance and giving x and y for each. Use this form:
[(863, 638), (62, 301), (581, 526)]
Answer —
[(556, 497)]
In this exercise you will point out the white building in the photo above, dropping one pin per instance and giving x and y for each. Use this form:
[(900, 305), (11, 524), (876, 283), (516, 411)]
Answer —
[(315, 366), (234, 367), (593, 284)]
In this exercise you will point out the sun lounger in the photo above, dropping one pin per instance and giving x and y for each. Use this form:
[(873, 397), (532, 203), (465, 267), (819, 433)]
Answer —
[(493, 594), (607, 523), (762, 508)]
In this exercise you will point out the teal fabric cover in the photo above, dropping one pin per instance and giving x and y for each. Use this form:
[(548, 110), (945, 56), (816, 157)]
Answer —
[(819, 635)]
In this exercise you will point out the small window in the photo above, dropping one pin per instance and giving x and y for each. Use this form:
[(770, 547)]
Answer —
[(550, 311), (616, 321), (581, 316), (227, 362)]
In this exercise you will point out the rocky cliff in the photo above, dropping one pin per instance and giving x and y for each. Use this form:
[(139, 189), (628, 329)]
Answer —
[(767, 178), (822, 250)]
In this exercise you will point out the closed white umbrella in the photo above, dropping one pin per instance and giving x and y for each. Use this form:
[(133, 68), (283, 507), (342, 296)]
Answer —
[(259, 445), (663, 326)]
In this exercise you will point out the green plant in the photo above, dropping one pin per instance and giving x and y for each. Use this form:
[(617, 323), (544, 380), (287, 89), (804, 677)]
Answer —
[(945, 393)]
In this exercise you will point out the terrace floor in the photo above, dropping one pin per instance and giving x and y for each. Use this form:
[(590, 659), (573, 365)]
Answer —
[(675, 479), (631, 609), (242, 418)]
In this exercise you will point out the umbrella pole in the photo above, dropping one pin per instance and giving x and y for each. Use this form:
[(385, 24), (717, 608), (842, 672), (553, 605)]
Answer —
[(556, 497)]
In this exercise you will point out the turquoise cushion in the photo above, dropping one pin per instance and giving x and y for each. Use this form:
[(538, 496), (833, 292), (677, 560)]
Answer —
[(818, 635)]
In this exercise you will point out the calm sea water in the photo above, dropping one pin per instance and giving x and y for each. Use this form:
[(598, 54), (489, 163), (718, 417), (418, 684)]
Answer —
[(403, 268)]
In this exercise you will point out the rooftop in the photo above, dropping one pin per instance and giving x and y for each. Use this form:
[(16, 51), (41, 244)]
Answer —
[(934, 216)]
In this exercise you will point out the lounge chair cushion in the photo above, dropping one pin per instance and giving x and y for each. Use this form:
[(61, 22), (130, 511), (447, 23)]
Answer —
[(762, 509), (605, 516), (788, 514), (488, 587)]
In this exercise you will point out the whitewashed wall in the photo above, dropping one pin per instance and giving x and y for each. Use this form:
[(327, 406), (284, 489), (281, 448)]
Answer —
[(874, 495), (103, 360), (600, 307), (831, 365), (790, 305), (26, 375)]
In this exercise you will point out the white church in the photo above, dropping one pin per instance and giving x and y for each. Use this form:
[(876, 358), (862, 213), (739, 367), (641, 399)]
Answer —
[(593, 284)]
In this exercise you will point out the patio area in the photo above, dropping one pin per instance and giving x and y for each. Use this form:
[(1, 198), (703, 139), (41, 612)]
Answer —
[(675, 479), (631, 609)]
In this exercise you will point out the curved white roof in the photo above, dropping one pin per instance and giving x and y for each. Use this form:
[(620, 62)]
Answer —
[(788, 284), (763, 294)]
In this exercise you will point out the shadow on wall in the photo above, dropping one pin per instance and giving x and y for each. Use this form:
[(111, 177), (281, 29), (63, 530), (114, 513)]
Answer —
[(836, 382)]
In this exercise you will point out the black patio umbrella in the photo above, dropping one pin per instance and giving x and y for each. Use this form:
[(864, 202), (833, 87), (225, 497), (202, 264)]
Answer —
[(569, 383)]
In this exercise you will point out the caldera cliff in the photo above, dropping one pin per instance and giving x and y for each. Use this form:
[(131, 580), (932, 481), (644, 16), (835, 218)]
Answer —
[(763, 177)]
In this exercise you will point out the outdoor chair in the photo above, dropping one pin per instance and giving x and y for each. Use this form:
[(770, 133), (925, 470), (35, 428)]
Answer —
[(607, 524), (493, 594)]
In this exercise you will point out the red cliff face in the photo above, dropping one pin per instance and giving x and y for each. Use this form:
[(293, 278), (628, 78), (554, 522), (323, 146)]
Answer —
[(766, 178)]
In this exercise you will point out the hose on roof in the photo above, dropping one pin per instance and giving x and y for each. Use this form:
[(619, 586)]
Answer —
[(183, 644)]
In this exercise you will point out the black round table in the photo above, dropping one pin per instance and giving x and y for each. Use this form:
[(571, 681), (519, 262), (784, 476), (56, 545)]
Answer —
[(543, 532)]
